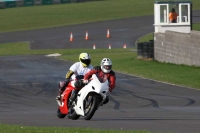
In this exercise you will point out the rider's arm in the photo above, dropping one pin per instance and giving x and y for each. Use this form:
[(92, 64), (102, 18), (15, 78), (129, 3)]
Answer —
[(88, 75), (112, 80), (95, 69), (72, 70), (69, 74)]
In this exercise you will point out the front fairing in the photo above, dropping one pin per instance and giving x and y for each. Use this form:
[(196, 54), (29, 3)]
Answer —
[(97, 86)]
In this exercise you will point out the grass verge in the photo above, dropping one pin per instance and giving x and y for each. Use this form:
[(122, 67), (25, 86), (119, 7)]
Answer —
[(4, 128), (35, 17)]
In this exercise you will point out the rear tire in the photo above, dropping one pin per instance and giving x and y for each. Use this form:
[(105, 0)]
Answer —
[(92, 107), (59, 114)]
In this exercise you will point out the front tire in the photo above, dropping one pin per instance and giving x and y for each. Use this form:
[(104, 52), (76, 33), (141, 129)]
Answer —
[(90, 107), (59, 114), (72, 114)]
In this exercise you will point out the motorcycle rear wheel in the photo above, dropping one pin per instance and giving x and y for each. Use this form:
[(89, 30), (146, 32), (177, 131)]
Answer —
[(91, 108), (59, 114)]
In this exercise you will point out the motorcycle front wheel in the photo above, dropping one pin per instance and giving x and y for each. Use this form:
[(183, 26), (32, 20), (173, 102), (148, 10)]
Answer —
[(91, 105), (72, 114)]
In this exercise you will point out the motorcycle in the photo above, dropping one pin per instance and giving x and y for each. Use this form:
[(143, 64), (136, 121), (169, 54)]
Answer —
[(88, 100)]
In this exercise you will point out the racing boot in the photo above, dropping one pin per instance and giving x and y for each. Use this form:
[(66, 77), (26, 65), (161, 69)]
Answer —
[(73, 95), (107, 100), (58, 97)]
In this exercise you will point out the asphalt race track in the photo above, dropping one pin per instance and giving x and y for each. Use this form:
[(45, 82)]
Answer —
[(29, 84)]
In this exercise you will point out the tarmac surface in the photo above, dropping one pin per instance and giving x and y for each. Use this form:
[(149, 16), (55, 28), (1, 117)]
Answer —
[(29, 84)]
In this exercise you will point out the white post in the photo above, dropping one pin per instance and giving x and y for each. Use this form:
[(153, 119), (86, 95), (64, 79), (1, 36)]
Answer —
[(165, 16)]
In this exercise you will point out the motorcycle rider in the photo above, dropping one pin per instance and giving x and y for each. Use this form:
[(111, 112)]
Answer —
[(104, 71), (78, 68)]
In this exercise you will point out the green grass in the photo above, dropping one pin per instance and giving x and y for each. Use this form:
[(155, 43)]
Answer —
[(146, 38), (196, 26), (4, 128), (33, 17)]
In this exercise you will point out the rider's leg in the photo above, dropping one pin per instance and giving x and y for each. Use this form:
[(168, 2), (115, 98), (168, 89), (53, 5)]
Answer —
[(62, 86), (78, 85), (73, 95)]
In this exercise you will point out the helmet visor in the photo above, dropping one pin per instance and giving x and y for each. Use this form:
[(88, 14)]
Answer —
[(86, 62), (108, 67)]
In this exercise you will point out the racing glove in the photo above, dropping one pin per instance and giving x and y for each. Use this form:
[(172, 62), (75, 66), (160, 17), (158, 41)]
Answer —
[(110, 89), (85, 81), (78, 84)]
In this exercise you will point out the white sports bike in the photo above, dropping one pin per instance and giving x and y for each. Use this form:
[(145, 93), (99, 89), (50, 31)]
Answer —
[(89, 98)]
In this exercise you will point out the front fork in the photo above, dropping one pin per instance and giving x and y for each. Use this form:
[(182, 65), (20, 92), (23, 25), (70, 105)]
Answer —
[(103, 99)]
